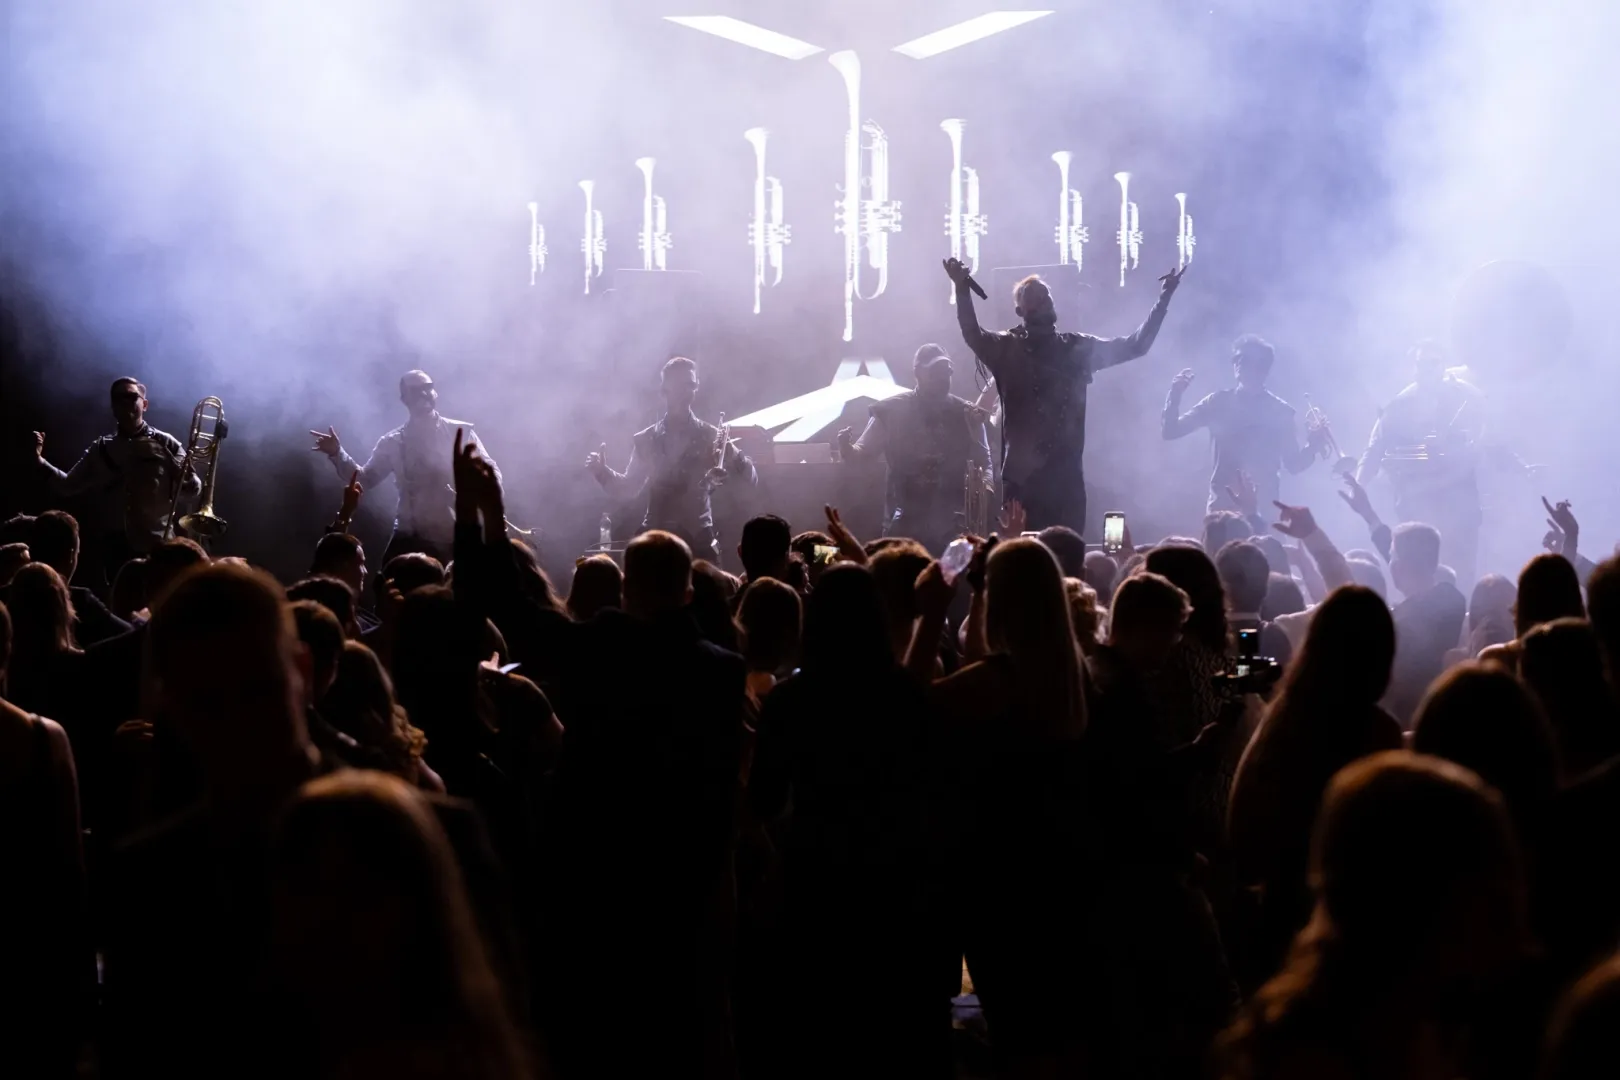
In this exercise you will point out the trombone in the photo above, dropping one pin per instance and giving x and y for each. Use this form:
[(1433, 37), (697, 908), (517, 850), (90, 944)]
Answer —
[(208, 430)]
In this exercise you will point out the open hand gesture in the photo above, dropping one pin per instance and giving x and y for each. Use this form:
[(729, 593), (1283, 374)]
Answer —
[(327, 442), (849, 547), (1356, 498), (1296, 521), (1245, 495)]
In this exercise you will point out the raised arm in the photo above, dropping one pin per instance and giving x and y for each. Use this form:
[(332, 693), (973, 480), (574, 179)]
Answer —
[(619, 484), (981, 341), (382, 464), (1106, 352), (1173, 423), (92, 471), (1372, 458), (869, 445), (1298, 522)]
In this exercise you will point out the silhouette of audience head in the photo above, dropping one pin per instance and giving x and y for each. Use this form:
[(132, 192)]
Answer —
[(1276, 555), (55, 542), (712, 590), (1548, 590), (5, 643), (17, 529), (341, 556), (1492, 600), (804, 547), (334, 595), (1026, 618), (532, 579), (1191, 571), (1146, 618), (412, 571), (227, 669), (845, 624), (1067, 547), (13, 557), (41, 613), (1348, 652), (1562, 664), (1485, 719), (129, 589), (1083, 613), (769, 616), (895, 569), (1414, 563), (322, 635), (657, 574), (375, 937), (765, 546), (1101, 572), (1583, 1040), (1283, 597), (1245, 575), (1420, 893), (1221, 527), (598, 583), (1369, 575), (167, 562), (360, 703), (1603, 608)]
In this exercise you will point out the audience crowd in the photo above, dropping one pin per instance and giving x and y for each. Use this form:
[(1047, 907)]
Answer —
[(1209, 807)]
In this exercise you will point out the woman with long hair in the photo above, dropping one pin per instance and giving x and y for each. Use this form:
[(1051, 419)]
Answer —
[(846, 743), (44, 656), (1024, 856), (1419, 900), (360, 703), (1562, 664), (1324, 716), (377, 946)]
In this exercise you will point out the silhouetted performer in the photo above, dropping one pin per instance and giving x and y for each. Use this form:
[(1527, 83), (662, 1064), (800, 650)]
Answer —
[(131, 473), (678, 462), (1041, 376), (927, 436), (417, 456)]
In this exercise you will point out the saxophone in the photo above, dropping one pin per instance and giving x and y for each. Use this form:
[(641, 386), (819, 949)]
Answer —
[(964, 224), (1130, 232), (863, 222), (655, 239), (766, 232), (1071, 233), (595, 244)]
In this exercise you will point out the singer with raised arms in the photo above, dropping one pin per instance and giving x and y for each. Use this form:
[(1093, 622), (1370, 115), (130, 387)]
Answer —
[(1041, 376)]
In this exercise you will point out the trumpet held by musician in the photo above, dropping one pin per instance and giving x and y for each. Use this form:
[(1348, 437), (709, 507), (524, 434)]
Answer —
[(132, 473), (1251, 430)]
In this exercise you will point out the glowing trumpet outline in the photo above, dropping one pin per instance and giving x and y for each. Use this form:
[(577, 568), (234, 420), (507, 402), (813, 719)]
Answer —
[(766, 232), (963, 226), (537, 243), (655, 239), (594, 245), (860, 220), (1071, 233), (1130, 231), (1185, 240)]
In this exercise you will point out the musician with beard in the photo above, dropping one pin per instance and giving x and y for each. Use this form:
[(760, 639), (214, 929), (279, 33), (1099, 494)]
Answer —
[(1041, 376), (678, 462), (1428, 440), (928, 437)]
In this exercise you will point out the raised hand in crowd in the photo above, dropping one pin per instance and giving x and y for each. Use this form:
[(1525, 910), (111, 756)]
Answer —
[(1563, 530), (1169, 282), (1014, 517), (39, 445), (1296, 521), (848, 547), (1356, 498), (327, 442)]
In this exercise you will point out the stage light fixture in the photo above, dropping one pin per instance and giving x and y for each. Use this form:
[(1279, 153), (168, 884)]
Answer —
[(965, 33), (746, 33)]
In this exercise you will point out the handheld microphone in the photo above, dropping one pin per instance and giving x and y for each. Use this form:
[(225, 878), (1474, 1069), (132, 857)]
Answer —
[(974, 285)]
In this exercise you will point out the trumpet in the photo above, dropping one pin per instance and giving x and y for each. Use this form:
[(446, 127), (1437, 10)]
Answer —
[(964, 224), (863, 222), (1317, 429), (208, 430), (1130, 232), (655, 238), (537, 243), (978, 492), (595, 244), (722, 440), (1185, 240), (765, 232), (1071, 234)]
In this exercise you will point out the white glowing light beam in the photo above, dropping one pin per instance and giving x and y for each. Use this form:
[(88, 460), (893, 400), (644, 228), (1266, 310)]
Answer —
[(746, 33), (965, 33)]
